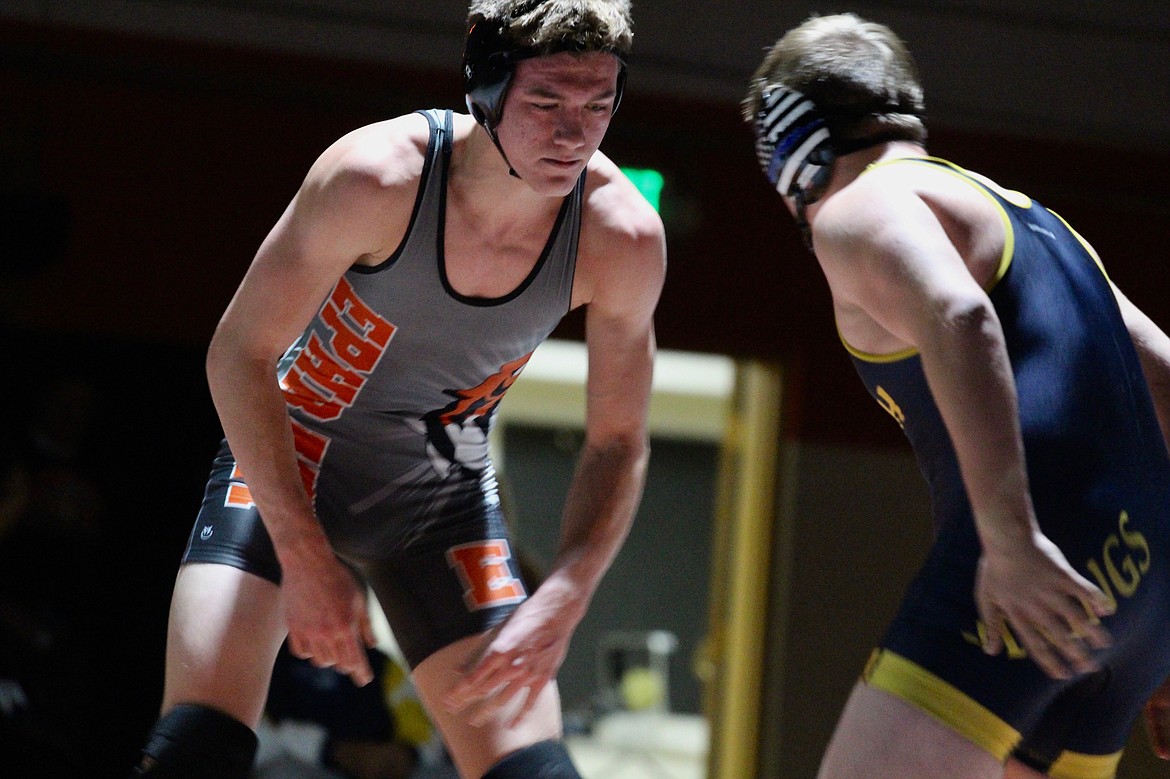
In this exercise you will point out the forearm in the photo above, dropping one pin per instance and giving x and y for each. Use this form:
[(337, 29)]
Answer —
[(971, 378), (255, 421), (599, 510)]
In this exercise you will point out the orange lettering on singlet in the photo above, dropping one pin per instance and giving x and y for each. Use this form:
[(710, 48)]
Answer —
[(359, 335), (482, 567), (308, 397), (330, 373), (325, 378), (239, 496), (310, 448), (309, 445), (330, 387)]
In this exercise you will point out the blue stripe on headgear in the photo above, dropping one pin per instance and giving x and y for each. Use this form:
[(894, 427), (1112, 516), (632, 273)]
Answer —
[(793, 144)]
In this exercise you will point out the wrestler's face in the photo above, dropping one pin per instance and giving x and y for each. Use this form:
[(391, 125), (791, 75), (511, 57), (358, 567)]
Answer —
[(555, 114)]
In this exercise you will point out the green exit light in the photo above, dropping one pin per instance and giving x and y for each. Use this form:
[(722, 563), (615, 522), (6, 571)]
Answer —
[(649, 182)]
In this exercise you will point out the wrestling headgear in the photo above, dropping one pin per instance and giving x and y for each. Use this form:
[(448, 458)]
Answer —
[(796, 149), (793, 143), (489, 60)]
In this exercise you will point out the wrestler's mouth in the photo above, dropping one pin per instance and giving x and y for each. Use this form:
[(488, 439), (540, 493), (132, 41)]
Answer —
[(562, 164)]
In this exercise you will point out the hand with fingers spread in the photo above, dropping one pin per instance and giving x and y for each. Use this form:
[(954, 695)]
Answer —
[(521, 658), (326, 610), (1053, 611), (1156, 714)]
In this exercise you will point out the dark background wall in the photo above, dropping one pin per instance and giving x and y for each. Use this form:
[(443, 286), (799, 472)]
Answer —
[(154, 167), (147, 147)]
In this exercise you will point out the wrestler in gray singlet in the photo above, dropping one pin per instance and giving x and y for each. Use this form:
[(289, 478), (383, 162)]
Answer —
[(392, 390)]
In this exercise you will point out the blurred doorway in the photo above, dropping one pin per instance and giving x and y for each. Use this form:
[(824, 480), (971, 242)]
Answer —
[(674, 619)]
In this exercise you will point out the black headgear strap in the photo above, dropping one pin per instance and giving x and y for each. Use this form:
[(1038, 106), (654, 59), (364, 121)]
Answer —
[(796, 150), (489, 60)]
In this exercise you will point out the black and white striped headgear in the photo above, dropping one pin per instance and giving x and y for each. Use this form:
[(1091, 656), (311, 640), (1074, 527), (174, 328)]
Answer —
[(793, 143)]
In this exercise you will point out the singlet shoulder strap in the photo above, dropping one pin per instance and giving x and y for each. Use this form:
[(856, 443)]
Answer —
[(429, 188), (1018, 199), (998, 196), (442, 130)]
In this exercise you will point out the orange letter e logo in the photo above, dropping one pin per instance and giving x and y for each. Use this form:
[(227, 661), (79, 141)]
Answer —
[(482, 567)]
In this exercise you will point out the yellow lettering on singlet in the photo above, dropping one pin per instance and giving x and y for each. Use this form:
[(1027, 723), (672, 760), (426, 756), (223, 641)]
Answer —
[(1010, 644), (1122, 574), (1118, 573), (892, 408)]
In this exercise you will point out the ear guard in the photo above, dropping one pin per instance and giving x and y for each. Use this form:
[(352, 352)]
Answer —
[(488, 63), (796, 150), (793, 144)]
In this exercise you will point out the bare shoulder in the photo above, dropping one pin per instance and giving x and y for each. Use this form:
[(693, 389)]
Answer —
[(622, 250), (382, 155), (907, 213), (860, 216), (360, 192)]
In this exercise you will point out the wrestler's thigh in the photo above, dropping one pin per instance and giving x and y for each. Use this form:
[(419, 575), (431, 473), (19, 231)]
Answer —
[(225, 628), (880, 736), (474, 748)]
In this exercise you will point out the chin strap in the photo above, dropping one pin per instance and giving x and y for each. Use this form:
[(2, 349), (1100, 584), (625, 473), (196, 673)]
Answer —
[(477, 114), (802, 221)]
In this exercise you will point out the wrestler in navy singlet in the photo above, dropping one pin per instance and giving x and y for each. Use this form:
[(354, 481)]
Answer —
[(1100, 483), (392, 390)]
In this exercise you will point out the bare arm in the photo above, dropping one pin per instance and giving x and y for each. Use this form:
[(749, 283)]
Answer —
[(894, 260), (1153, 347), (607, 484), (896, 263), (343, 214)]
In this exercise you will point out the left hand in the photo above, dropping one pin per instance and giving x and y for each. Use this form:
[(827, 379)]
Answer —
[(522, 655), (1156, 714)]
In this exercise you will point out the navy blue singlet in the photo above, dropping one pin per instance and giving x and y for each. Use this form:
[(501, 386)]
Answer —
[(1100, 478)]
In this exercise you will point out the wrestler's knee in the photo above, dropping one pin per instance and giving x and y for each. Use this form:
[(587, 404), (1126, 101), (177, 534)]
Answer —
[(192, 741)]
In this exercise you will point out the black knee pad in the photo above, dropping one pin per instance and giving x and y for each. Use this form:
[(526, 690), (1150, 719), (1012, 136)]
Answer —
[(543, 760), (196, 742)]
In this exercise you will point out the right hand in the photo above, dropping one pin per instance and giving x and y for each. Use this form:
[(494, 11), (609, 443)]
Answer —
[(523, 655), (328, 619), (1052, 609)]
